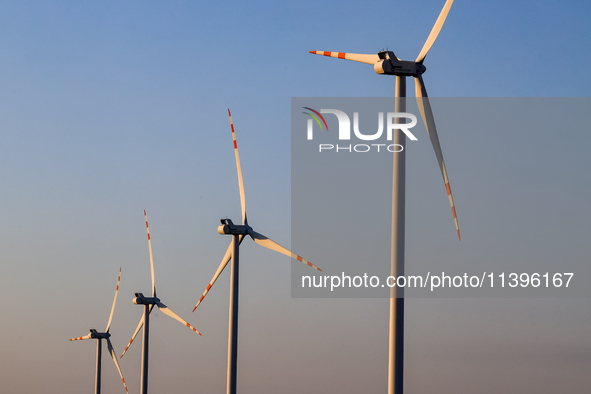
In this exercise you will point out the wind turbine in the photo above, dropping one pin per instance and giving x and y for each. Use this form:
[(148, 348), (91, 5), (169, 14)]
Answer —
[(94, 334), (387, 63), (148, 303), (238, 233)]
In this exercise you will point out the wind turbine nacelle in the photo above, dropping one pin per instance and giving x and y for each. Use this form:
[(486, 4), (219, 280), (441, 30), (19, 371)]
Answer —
[(94, 334), (399, 68), (390, 65), (227, 227), (139, 299)]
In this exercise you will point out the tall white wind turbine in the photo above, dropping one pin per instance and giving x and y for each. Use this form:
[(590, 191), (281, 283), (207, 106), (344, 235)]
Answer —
[(148, 303), (238, 232), (387, 63), (94, 334)]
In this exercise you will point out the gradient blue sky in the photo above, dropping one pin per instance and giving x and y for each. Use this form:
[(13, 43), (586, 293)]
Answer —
[(111, 108)]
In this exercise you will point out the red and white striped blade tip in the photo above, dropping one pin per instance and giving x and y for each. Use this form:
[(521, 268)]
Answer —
[(239, 169), (222, 266), (137, 330), (167, 311), (114, 356), (126, 348), (427, 116), (151, 257), (270, 244), (356, 57), (202, 297), (114, 301), (80, 338)]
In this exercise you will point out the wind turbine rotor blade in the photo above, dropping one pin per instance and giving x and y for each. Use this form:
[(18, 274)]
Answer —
[(427, 115), (167, 311), (137, 330), (112, 352), (239, 168), (139, 327), (435, 31), (151, 258), (223, 264), (80, 338), (356, 57), (114, 301), (270, 244)]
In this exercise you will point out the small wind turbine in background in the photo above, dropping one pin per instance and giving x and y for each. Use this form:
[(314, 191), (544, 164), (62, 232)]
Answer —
[(387, 63), (148, 303), (238, 232), (94, 334)]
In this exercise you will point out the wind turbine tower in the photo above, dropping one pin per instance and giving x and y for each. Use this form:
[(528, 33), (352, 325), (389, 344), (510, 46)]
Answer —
[(238, 233), (99, 336), (387, 63), (148, 303)]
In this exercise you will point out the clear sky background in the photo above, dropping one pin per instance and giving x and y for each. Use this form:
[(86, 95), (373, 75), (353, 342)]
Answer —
[(111, 108)]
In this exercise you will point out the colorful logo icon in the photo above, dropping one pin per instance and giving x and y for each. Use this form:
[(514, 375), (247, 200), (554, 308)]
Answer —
[(315, 118)]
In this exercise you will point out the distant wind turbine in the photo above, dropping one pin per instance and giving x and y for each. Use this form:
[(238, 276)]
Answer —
[(94, 334), (238, 232), (387, 63), (148, 303)]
